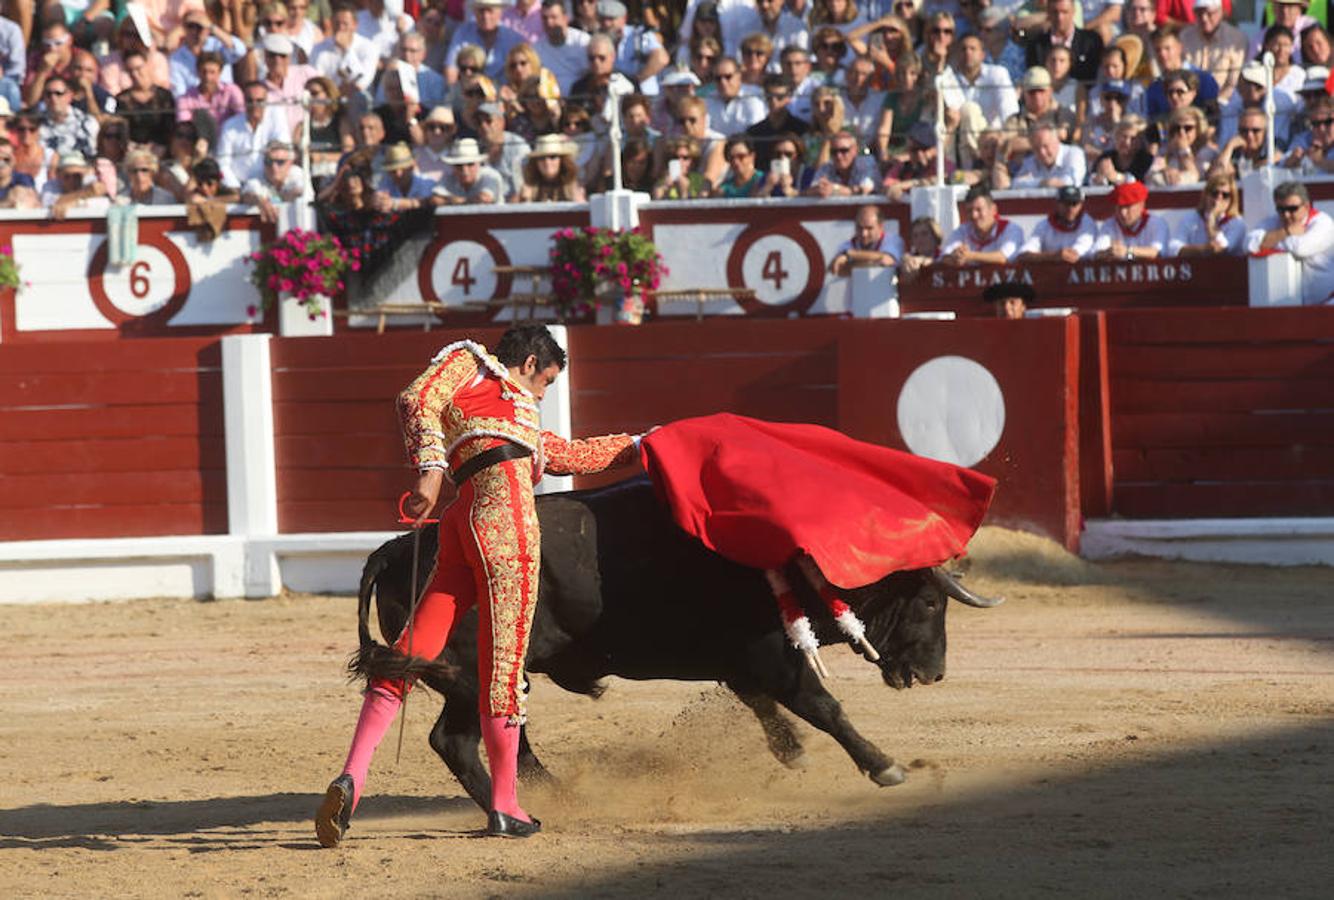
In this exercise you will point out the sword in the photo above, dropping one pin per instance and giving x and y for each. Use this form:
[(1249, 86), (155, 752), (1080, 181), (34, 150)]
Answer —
[(404, 519)]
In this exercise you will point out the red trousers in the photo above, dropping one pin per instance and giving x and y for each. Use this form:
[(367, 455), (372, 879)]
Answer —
[(490, 554)]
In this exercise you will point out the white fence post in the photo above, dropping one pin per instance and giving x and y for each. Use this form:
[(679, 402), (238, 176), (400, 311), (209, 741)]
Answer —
[(874, 292), (616, 209), (939, 202), (1274, 280), (556, 413), (252, 484)]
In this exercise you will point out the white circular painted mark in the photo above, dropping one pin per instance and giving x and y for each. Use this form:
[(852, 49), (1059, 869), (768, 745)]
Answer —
[(142, 287), (951, 409), (775, 267), (463, 273)]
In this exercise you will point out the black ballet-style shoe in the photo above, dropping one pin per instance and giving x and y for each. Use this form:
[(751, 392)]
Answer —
[(334, 817), (499, 824)]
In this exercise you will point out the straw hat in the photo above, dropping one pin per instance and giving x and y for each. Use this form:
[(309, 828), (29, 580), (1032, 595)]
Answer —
[(464, 151), (398, 157), (1133, 48), (551, 145)]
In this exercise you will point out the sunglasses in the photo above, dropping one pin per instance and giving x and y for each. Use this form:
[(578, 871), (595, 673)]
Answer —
[(1178, 92), (439, 126), (688, 120), (26, 129), (776, 98), (1221, 195), (55, 93), (277, 162), (193, 26), (738, 156), (465, 69), (114, 135), (754, 51), (1289, 210), (728, 76), (942, 31), (684, 156), (1254, 130), (1181, 129), (786, 154), (274, 23), (706, 57), (835, 48), (1322, 123), (843, 150), (140, 169)]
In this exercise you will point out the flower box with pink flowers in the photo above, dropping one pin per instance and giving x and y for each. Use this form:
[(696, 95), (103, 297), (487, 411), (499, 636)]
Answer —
[(301, 271), (590, 265)]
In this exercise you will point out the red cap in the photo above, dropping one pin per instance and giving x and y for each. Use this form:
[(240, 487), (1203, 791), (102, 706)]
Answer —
[(1129, 192)]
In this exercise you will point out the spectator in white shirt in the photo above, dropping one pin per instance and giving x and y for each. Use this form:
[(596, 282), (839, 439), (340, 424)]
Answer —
[(281, 181), (861, 104), (731, 109), (795, 63), (987, 85), (286, 79), (1132, 232), (430, 85), (1303, 231), (870, 245), (1215, 226), (381, 22), (781, 27), (1048, 164), (71, 188), (243, 138), (1066, 235), (345, 57), (562, 49), (984, 238)]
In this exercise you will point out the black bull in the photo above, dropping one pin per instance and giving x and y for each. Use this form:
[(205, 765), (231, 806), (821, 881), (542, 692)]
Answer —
[(625, 592)]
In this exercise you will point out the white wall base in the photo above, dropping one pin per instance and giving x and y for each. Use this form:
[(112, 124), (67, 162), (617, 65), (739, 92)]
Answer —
[(202, 567), (1272, 542)]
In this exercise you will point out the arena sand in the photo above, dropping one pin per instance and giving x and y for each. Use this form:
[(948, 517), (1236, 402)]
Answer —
[(1130, 729)]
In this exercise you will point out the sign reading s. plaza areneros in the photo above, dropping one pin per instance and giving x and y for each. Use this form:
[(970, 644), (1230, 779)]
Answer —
[(967, 278)]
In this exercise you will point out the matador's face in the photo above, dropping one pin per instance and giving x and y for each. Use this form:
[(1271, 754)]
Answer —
[(535, 380)]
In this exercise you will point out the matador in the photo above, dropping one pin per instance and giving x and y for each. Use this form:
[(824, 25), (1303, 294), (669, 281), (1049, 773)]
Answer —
[(473, 417)]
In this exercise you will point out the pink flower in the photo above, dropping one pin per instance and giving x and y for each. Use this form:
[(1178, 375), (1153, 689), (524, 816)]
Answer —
[(354, 265), (285, 285), (251, 310), (621, 269), (606, 250), (338, 286)]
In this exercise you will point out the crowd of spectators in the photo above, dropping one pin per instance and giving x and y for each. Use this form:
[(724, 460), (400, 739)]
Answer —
[(498, 101)]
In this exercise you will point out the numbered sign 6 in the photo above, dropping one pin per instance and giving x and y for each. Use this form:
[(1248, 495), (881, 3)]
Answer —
[(782, 264), (153, 288)]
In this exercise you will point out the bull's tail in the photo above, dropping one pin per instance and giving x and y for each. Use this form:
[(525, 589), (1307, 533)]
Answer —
[(374, 660)]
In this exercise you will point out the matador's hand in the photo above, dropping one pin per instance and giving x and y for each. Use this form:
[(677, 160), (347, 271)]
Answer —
[(430, 489)]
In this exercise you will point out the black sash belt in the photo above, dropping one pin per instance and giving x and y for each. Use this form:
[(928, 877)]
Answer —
[(486, 459)]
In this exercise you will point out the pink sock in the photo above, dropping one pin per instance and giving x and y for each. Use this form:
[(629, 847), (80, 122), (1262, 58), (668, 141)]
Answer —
[(502, 751), (377, 714)]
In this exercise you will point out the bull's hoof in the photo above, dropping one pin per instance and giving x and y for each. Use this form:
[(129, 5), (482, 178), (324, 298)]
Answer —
[(890, 776), (794, 761)]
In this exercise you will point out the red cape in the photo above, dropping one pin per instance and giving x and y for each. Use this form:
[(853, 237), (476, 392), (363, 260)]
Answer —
[(759, 492)]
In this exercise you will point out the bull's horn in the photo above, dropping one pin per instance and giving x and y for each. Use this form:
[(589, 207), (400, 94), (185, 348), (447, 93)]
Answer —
[(953, 589), (817, 664)]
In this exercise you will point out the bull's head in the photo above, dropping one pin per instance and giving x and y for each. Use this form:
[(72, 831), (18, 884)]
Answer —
[(905, 621)]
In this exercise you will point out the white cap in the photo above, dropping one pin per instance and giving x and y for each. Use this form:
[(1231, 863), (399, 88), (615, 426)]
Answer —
[(677, 77), (278, 43), (1254, 72), (1316, 76), (1208, 4)]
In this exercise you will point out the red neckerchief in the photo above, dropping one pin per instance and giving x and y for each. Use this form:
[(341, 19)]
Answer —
[(977, 243), (1061, 225), (1143, 220)]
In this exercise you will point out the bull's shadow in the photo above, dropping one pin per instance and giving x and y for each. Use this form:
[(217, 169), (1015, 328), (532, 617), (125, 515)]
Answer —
[(1179, 825), (103, 826)]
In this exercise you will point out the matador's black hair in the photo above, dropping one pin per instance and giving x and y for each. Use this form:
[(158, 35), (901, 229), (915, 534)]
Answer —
[(523, 341)]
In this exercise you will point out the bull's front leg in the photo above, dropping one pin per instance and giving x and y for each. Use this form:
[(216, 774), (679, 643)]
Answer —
[(811, 702), (530, 767)]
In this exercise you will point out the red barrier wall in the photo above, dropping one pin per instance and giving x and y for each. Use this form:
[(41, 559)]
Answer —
[(1035, 363), (108, 439), (1224, 413), (339, 457)]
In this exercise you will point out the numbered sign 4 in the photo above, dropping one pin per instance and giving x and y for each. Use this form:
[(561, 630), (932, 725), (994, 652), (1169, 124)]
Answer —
[(463, 272), (782, 264)]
